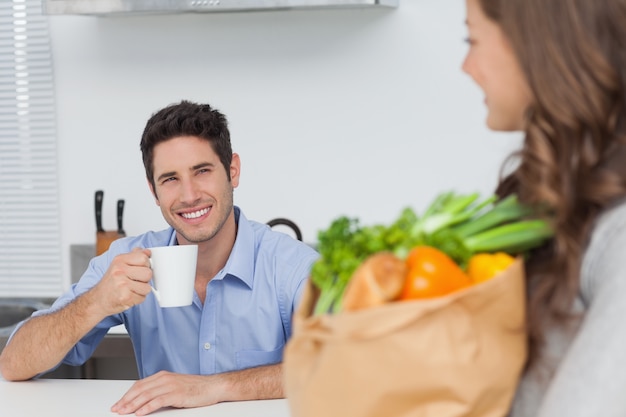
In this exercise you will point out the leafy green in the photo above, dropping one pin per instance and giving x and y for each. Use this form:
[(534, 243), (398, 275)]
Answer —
[(345, 245)]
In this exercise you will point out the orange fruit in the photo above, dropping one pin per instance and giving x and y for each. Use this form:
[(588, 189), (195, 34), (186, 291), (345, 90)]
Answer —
[(484, 266), (432, 273)]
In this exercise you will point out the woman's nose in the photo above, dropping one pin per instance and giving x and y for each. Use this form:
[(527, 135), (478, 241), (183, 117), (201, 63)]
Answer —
[(465, 65)]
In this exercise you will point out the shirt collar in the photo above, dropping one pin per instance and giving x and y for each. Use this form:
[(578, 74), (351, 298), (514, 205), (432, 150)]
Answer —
[(240, 263)]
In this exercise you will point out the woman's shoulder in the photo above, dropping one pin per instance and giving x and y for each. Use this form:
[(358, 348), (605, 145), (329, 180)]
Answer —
[(605, 254), (611, 223)]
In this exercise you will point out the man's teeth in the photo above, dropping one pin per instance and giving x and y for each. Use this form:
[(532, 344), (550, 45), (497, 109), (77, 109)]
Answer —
[(195, 214)]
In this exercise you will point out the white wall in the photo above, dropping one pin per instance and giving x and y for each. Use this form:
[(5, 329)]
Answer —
[(357, 112)]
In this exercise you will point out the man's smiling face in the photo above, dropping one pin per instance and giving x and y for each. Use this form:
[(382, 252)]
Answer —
[(192, 187)]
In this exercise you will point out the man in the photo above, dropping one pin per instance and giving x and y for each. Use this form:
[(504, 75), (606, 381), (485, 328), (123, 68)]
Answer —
[(228, 344)]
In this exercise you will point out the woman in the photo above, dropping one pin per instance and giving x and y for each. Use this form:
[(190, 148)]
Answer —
[(556, 70)]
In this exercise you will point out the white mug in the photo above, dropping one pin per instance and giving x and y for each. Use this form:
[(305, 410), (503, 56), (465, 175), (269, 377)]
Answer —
[(174, 274)]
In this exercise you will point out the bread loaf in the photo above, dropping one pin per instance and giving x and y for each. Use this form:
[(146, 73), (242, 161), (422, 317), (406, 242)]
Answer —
[(378, 280)]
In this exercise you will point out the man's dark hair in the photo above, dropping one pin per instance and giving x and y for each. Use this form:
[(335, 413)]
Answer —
[(186, 119)]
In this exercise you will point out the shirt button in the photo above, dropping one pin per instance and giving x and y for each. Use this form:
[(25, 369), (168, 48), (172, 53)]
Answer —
[(207, 346)]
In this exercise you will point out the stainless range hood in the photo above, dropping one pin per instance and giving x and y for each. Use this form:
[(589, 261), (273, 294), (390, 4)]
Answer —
[(129, 7)]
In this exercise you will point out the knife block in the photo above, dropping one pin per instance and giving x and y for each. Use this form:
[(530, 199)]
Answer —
[(104, 240)]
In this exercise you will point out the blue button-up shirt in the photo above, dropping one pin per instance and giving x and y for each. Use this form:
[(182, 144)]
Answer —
[(244, 322)]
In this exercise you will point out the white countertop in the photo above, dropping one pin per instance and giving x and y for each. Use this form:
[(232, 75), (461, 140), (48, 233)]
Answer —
[(94, 397), (120, 329)]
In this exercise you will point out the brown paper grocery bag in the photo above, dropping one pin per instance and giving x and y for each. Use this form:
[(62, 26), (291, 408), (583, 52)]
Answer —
[(459, 355)]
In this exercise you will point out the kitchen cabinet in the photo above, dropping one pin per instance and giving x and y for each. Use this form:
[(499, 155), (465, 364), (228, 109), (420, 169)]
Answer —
[(114, 358)]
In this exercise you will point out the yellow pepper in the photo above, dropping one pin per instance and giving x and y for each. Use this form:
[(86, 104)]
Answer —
[(484, 266)]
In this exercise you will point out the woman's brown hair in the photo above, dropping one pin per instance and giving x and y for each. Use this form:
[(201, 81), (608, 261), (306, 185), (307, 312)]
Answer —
[(573, 158)]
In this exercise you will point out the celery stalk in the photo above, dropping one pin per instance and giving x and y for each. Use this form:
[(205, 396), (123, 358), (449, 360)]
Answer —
[(513, 237), (448, 211), (505, 210)]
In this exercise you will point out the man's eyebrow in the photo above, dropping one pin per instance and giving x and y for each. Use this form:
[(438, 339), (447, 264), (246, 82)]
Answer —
[(203, 165), (166, 175)]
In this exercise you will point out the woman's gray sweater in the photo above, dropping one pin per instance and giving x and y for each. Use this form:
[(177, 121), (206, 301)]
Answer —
[(585, 374)]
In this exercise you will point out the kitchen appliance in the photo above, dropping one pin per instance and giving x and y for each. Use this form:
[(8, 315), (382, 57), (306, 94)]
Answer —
[(129, 7), (105, 238), (286, 222)]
